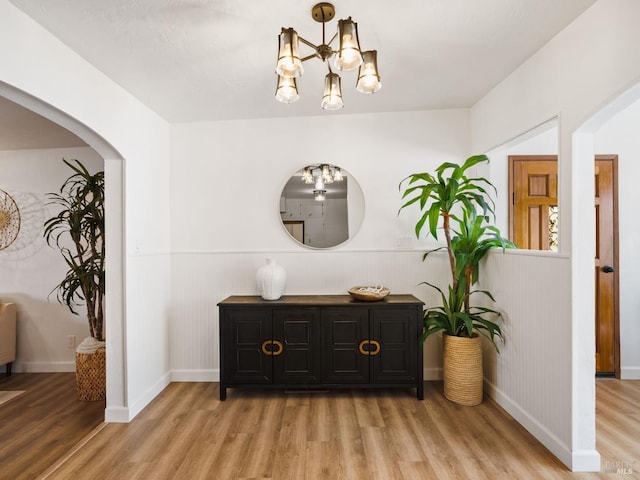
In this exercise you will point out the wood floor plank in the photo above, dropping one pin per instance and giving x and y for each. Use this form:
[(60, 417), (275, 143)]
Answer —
[(43, 424), (187, 433)]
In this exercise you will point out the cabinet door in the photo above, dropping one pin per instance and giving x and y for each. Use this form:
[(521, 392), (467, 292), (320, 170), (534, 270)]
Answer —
[(343, 331), (299, 361), (396, 331), (245, 331)]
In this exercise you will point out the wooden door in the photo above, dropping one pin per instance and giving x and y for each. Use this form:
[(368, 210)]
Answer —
[(606, 266), (533, 188)]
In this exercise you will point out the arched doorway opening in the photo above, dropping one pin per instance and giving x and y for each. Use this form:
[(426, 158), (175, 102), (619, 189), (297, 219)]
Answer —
[(114, 215)]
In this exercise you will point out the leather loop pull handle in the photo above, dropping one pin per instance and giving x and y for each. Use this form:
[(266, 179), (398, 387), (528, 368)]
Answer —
[(361, 347), (376, 351), (265, 344), (277, 352)]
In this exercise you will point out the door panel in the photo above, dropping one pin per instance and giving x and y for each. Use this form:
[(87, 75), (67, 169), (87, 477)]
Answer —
[(299, 333), (606, 263), (344, 329), (395, 330), (246, 331)]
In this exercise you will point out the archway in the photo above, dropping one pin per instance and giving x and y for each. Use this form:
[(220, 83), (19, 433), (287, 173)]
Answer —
[(114, 216)]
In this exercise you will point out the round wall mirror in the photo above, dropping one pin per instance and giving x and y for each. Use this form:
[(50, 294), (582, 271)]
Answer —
[(321, 206)]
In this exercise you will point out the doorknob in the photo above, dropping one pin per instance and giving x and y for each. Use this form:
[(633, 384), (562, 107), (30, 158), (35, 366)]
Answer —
[(608, 269)]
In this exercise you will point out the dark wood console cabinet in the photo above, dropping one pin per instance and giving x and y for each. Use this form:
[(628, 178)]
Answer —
[(320, 341)]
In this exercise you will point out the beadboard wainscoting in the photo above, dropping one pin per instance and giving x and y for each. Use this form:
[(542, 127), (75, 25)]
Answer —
[(531, 377), (202, 279)]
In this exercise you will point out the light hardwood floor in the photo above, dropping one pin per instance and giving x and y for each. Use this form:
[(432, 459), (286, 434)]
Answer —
[(186, 433), (42, 424)]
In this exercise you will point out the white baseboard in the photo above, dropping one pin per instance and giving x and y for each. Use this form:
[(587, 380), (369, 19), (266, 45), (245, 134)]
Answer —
[(630, 373), (585, 461), (151, 393), (547, 438), (212, 375), (116, 415)]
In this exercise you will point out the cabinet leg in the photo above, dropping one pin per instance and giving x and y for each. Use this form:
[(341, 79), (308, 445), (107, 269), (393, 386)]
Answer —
[(223, 392), (420, 391), (8, 369)]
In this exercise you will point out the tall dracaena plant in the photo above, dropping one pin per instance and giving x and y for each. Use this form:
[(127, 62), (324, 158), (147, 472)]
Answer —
[(457, 199), (81, 220), (443, 195)]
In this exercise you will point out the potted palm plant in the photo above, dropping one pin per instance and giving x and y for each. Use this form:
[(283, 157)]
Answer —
[(462, 206), (77, 230)]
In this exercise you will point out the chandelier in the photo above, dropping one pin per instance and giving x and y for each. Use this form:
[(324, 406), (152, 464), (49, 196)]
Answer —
[(321, 175), (347, 57)]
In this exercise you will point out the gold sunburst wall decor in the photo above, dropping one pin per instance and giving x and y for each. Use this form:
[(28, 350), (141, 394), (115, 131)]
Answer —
[(9, 220)]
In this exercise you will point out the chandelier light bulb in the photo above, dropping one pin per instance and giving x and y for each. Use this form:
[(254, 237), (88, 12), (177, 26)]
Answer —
[(348, 56), (332, 98), (319, 195), (289, 64), (368, 76), (307, 176), (326, 174), (319, 185), (287, 90)]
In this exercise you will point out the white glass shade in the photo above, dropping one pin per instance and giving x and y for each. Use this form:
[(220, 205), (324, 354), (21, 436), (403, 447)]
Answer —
[(289, 63), (348, 56), (319, 183), (368, 76), (337, 174), (319, 195), (326, 174), (287, 90), (307, 176), (332, 98)]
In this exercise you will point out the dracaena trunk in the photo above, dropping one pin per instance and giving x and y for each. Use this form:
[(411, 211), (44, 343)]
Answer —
[(452, 259)]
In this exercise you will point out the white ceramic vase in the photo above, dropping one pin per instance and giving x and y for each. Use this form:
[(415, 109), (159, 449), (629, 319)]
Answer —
[(270, 280)]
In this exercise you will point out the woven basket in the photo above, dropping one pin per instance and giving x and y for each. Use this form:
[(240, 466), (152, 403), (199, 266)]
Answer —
[(91, 375), (463, 374)]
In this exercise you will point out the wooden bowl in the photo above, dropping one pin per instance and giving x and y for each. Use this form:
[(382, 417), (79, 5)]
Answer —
[(359, 293)]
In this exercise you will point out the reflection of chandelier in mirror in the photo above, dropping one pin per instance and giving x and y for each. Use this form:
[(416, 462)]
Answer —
[(347, 57), (319, 175)]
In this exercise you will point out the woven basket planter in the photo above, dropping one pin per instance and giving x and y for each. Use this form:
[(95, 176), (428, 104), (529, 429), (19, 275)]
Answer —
[(462, 367), (91, 378)]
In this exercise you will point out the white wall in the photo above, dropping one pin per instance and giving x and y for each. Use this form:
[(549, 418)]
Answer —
[(620, 136), (588, 64), (30, 269), (221, 233), (40, 71)]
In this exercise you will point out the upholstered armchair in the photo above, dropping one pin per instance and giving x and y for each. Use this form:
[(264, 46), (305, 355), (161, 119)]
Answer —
[(7, 335)]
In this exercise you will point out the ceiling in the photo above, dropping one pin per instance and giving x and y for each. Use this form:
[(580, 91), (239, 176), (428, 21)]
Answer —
[(204, 60)]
